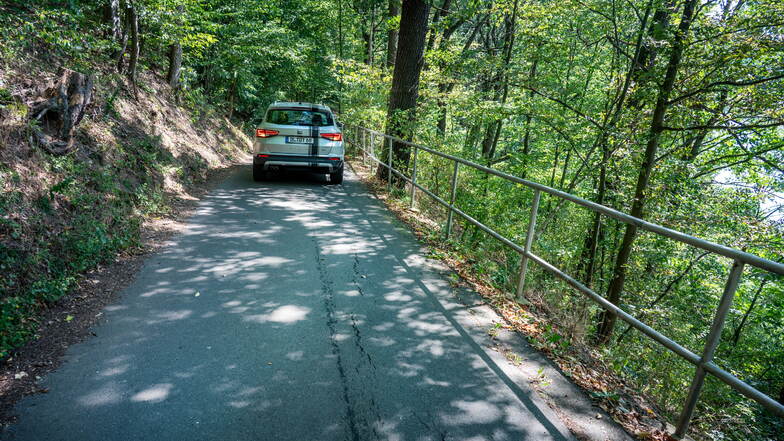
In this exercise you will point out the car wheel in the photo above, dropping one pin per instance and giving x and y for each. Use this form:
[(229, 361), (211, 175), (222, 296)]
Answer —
[(258, 173), (337, 177)]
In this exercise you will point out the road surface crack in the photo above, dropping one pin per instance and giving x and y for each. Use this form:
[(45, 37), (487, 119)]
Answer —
[(433, 426), (357, 275), (358, 342), (329, 306)]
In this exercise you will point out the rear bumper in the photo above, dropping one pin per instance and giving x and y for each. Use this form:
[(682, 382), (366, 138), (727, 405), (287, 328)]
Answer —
[(321, 164)]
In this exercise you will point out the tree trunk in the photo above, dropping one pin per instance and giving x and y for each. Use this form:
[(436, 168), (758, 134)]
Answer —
[(472, 137), (114, 8), (437, 16), (394, 11), (369, 35), (60, 110), (490, 142), (595, 233), (611, 118), (175, 56), (123, 42), (232, 96), (615, 288), (133, 22), (175, 64), (670, 286), (405, 79), (737, 333), (445, 88), (649, 49), (527, 136)]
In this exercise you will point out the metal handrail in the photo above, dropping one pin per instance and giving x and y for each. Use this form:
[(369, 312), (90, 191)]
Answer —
[(704, 362)]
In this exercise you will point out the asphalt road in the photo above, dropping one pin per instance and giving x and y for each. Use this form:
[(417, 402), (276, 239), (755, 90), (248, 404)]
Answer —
[(288, 310)]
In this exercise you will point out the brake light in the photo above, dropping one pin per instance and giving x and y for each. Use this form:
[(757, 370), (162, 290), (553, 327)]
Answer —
[(333, 136), (263, 156), (264, 133), (334, 159)]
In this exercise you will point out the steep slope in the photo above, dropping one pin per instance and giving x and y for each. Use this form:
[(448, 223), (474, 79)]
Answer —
[(63, 215)]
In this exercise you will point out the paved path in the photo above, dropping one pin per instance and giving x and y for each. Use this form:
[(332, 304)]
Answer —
[(288, 310)]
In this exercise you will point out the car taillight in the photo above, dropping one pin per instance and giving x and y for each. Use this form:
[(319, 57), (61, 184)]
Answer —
[(334, 159), (263, 156), (333, 136), (264, 133)]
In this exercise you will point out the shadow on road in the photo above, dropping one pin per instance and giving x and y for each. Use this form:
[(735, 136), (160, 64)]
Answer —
[(288, 309)]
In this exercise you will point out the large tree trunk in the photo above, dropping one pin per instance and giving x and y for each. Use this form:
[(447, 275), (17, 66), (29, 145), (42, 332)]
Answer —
[(615, 288), (394, 11), (405, 79), (60, 110)]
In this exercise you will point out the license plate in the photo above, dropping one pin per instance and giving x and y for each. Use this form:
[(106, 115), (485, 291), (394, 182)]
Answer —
[(299, 140)]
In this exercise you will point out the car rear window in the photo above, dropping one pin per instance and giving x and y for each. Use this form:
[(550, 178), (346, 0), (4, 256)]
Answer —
[(299, 117)]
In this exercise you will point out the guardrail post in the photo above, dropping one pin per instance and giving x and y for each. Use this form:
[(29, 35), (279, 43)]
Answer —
[(389, 164), (710, 347), (362, 146), (372, 148), (529, 239), (452, 200), (413, 177)]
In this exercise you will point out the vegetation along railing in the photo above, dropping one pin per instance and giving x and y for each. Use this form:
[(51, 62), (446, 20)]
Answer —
[(365, 140)]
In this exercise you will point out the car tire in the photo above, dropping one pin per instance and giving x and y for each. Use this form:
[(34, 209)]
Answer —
[(258, 173), (336, 178)]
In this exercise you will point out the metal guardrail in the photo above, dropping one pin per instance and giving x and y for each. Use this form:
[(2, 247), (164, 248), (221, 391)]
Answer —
[(704, 362)]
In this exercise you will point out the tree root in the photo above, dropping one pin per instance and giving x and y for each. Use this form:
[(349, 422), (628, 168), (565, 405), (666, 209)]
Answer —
[(60, 110)]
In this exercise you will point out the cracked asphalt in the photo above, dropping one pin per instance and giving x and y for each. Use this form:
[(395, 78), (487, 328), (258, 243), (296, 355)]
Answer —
[(287, 310)]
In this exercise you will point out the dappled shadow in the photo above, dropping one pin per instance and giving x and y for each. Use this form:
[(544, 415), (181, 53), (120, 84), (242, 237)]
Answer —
[(288, 309)]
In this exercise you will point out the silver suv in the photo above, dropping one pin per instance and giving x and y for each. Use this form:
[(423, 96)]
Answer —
[(298, 136)]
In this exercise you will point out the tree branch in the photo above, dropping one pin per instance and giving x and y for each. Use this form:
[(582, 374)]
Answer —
[(564, 104), (709, 87), (749, 157), (714, 127)]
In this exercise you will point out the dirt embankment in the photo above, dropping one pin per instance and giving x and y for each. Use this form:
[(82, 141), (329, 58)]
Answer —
[(72, 227)]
